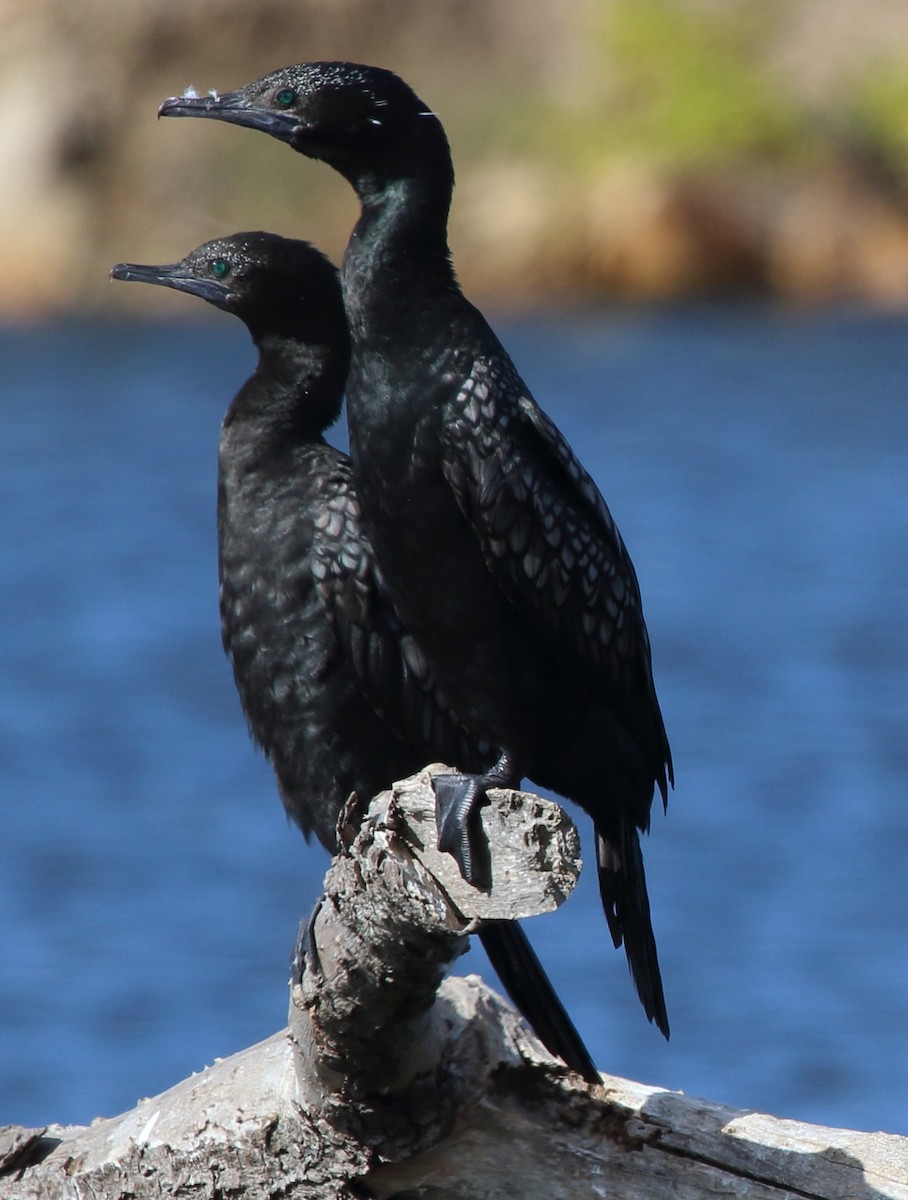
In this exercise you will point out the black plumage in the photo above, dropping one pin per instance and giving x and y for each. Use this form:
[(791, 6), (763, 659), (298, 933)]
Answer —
[(335, 690), (497, 545)]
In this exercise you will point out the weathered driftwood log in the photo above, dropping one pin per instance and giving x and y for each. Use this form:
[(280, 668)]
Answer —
[(383, 1087)]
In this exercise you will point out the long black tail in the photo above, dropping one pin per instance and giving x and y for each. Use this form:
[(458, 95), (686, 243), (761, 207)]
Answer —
[(622, 886), (524, 979)]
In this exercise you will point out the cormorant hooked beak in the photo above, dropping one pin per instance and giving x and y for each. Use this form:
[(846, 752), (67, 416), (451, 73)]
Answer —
[(235, 109), (176, 276)]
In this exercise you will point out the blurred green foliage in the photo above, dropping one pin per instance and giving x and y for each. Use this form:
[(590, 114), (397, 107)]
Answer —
[(653, 146), (693, 86), (876, 113), (662, 82)]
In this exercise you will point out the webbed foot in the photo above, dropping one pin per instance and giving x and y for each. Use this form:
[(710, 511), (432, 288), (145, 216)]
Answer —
[(458, 799)]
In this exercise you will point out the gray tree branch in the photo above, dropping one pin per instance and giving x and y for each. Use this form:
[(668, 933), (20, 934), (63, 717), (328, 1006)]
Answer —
[(386, 1084)]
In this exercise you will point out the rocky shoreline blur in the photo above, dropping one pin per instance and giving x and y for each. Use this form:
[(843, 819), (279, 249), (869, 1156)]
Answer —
[(652, 149)]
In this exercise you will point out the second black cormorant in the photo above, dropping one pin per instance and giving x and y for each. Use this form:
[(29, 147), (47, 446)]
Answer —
[(499, 550), (317, 648)]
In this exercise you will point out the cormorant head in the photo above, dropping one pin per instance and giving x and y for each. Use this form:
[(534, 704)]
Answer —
[(364, 121), (273, 284)]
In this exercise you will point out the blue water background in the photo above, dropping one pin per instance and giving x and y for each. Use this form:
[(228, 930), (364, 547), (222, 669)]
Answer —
[(757, 464)]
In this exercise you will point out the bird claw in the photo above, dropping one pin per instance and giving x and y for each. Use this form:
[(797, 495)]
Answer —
[(457, 799), (305, 953), (349, 820)]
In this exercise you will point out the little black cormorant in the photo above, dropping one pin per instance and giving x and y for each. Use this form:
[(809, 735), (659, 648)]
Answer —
[(335, 690), (498, 548)]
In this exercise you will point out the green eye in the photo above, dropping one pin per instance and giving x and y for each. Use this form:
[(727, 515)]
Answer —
[(219, 267), (285, 97)]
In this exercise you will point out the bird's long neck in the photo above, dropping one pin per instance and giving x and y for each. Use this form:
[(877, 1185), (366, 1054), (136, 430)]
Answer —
[(293, 395), (397, 262)]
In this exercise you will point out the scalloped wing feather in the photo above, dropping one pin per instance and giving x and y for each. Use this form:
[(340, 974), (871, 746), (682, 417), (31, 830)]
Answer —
[(389, 666), (550, 541)]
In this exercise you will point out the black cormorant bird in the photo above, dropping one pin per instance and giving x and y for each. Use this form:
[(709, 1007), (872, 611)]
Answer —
[(498, 548), (335, 690)]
